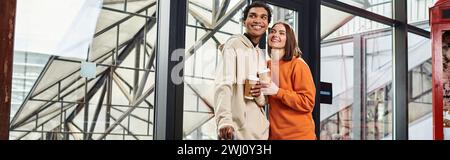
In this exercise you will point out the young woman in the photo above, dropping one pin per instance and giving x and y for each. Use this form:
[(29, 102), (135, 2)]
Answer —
[(292, 91)]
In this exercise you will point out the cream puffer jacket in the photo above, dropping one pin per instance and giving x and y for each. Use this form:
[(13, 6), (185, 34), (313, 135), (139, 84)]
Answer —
[(238, 60)]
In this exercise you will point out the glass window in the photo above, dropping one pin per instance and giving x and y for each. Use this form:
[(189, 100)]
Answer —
[(342, 24), (419, 96), (26, 70), (381, 7), (203, 16), (51, 100), (418, 12), (345, 38), (379, 78), (199, 121)]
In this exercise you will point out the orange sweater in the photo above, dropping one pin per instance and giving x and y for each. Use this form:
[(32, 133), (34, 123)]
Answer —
[(290, 112)]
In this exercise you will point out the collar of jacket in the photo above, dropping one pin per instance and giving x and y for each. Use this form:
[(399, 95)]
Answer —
[(245, 40)]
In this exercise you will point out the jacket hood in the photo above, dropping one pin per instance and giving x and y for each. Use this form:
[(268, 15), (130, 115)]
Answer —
[(244, 39)]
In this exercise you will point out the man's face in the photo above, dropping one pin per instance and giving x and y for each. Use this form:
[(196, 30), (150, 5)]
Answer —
[(257, 21)]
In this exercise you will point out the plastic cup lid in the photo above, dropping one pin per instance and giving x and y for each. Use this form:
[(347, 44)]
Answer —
[(253, 78), (265, 70)]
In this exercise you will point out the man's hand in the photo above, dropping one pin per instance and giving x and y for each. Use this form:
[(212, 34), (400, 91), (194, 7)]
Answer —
[(256, 90), (226, 133)]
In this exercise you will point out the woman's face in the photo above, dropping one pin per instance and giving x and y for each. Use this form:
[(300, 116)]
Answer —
[(277, 37)]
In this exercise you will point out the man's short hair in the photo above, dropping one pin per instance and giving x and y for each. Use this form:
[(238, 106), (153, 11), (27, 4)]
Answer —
[(257, 4)]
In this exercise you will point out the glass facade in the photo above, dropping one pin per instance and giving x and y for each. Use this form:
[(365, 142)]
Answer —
[(417, 10), (418, 13), (26, 70), (51, 100), (357, 59), (419, 77), (199, 121), (204, 17), (381, 7)]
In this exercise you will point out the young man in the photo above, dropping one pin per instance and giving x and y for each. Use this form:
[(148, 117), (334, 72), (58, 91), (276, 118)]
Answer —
[(238, 117)]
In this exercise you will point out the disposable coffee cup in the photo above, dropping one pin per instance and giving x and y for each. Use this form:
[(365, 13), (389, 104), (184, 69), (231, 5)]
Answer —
[(250, 82), (264, 76)]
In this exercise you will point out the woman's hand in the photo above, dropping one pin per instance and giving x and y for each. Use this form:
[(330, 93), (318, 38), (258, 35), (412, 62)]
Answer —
[(270, 89)]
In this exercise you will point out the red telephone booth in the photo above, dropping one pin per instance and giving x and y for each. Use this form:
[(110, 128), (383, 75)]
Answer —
[(440, 35)]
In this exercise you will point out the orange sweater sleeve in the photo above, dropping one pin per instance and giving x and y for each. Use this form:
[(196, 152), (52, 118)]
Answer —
[(302, 95)]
